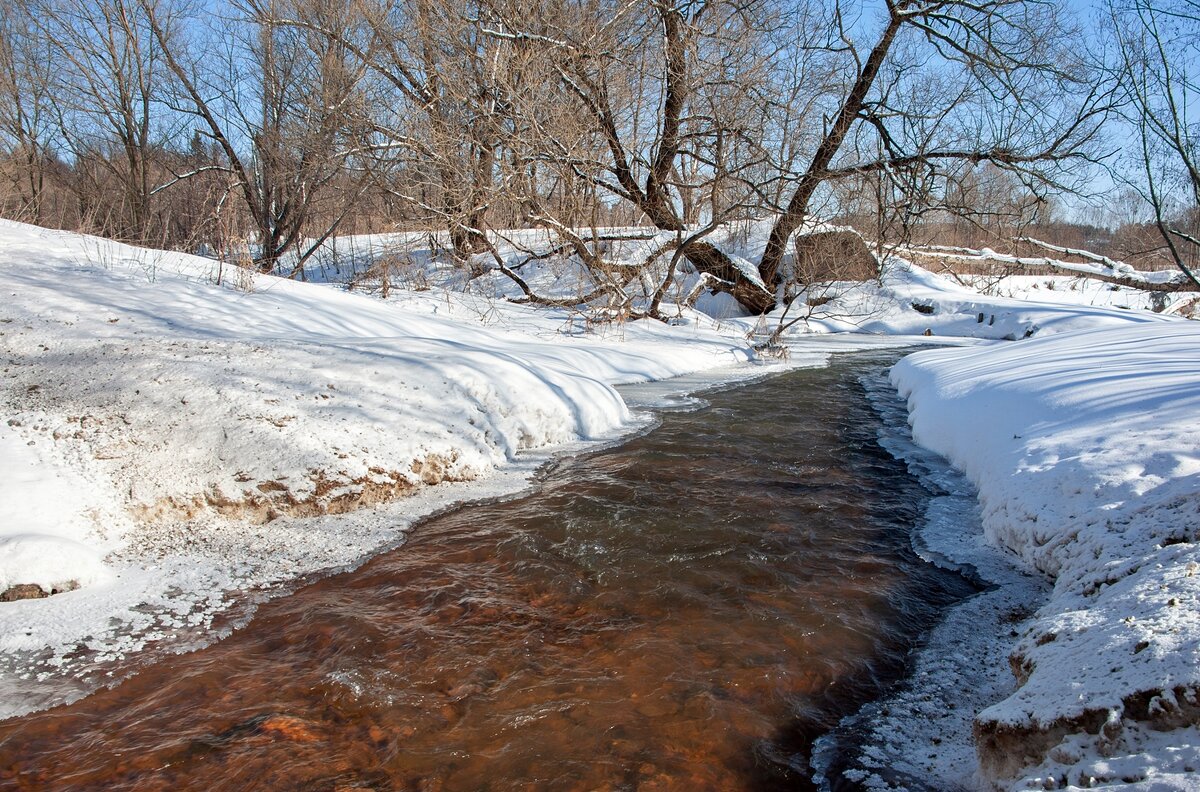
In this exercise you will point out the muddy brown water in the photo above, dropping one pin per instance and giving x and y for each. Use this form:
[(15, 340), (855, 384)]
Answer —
[(686, 611)]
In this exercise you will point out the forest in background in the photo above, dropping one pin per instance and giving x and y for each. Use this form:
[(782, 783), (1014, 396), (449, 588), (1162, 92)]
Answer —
[(254, 130)]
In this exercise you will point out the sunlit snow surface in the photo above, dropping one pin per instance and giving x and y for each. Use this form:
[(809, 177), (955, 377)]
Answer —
[(142, 387), (1085, 449)]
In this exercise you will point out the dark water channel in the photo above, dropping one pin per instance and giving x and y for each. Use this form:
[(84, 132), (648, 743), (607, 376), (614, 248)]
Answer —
[(686, 611)]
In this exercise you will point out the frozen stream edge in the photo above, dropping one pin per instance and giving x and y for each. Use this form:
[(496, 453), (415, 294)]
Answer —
[(215, 580), (919, 736), (219, 571)]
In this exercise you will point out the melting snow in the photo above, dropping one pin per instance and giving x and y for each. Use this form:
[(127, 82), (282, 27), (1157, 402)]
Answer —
[(174, 434)]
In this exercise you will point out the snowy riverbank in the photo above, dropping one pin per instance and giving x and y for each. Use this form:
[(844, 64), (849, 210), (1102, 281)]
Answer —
[(179, 439), (1085, 449), (174, 434)]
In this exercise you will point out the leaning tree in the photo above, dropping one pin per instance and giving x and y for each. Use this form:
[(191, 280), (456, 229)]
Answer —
[(911, 91)]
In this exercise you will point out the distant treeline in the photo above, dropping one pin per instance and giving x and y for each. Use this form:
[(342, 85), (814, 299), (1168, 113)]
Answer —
[(261, 127)]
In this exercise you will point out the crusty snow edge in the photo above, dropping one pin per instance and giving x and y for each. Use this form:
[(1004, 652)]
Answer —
[(125, 370), (173, 433), (1085, 449)]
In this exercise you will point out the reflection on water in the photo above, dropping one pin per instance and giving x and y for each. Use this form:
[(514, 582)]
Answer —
[(687, 611)]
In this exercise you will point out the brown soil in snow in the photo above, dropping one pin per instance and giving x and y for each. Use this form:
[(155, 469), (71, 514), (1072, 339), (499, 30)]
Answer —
[(265, 501), (1007, 749)]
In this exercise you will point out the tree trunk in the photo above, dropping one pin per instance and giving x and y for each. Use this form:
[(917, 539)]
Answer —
[(466, 238), (709, 259), (797, 208)]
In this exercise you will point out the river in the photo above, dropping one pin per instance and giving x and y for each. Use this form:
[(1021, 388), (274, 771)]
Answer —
[(688, 610)]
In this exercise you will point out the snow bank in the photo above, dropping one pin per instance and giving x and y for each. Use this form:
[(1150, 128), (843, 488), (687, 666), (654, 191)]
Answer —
[(287, 398), (173, 430), (909, 300), (1085, 449)]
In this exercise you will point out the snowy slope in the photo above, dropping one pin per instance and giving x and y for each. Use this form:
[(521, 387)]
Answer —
[(1085, 449), (166, 439), (320, 385), (176, 434)]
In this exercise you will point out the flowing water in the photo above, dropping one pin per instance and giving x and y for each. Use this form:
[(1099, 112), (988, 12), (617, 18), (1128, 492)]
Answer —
[(686, 611)]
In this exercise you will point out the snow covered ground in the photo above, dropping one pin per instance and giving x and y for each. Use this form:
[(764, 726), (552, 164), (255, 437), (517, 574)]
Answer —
[(1085, 449), (168, 440), (913, 301), (1082, 291), (179, 439)]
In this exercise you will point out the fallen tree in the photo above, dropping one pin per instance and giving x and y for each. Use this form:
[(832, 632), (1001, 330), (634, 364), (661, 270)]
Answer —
[(1093, 266)]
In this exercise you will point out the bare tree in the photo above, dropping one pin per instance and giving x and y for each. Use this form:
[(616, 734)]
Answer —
[(689, 116), (1013, 96), (941, 87), (1158, 53), (27, 118), (104, 84), (293, 97), (437, 113), (671, 105)]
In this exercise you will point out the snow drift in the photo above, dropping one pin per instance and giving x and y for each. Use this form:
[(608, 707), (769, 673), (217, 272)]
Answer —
[(1085, 448), (174, 430)]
